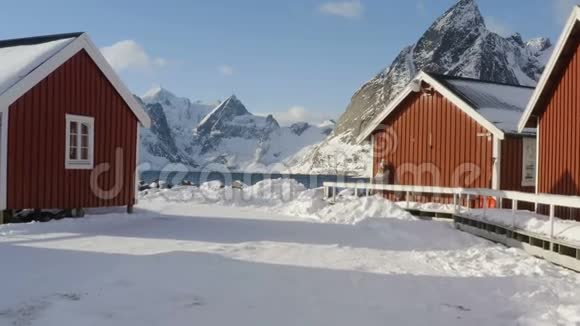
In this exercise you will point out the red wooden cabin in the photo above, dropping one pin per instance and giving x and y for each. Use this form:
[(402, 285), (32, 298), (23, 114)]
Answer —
[(555, 110), (454, 132), (69, 127)]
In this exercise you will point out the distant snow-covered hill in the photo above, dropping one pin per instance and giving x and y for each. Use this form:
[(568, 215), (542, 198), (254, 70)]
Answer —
[(458, 43), (223, 136)]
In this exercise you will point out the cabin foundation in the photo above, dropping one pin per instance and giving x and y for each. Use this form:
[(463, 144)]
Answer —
[(5, 216)]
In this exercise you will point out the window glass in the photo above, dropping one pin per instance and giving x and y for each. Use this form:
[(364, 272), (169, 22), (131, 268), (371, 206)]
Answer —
[(80, 147), (529, 162)]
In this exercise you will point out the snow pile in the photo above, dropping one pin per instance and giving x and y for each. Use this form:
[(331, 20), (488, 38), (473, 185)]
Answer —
[(348, 209), (18, 61), (284, 196)]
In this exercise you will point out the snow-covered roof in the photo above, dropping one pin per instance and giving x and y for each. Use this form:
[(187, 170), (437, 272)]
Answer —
[(25, 62), (496, 107), (568, 41), (500, 104), (19, 57)]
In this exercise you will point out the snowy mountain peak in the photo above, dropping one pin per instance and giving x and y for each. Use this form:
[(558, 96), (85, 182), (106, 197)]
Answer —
[(232, 97), (231, 120), (157, 95), (173, 121), (226, 135), (539, 44), (327, 124), (465, 14), (517, 38), (226, 110)]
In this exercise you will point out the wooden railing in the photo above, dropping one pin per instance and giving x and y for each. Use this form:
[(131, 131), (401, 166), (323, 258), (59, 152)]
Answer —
[(552, 201)]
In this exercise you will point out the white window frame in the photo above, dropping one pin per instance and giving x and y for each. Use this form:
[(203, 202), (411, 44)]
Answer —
[(526, 143), (80, 164)]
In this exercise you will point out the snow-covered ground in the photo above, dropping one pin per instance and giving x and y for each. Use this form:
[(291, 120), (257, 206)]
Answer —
[(272, 254)]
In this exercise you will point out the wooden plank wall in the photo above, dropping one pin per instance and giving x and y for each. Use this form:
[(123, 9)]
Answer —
[(434, 141), (37, 177), (560, 136), (511, 169)]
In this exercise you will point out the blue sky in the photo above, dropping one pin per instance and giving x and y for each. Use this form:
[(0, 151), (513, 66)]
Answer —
[(301, 59)]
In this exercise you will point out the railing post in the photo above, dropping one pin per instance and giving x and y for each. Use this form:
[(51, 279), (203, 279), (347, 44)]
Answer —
[(334, 194), (455, 203), (407, 199), (552, 214), (514, 211), (468, 202), (484, 206)]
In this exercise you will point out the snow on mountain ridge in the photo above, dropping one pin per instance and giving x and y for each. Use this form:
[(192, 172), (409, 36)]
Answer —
[(465, 14), (228, 109), (180, 111), (226, 136), (153, 93), (539, 44)]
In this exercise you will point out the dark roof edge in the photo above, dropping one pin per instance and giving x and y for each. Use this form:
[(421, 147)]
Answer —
[(449, 77), (37, 39)]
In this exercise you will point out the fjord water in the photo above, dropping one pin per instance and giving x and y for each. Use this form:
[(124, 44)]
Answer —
[(308, 180)]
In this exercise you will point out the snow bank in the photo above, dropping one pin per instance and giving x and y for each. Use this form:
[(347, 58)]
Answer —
[(284, 196)]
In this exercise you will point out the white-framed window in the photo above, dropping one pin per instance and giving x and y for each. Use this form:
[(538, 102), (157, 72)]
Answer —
[(529, 162), (79, 151)]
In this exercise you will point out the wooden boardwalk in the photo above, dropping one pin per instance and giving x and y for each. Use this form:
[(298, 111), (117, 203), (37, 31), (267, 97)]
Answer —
[(549, 247)]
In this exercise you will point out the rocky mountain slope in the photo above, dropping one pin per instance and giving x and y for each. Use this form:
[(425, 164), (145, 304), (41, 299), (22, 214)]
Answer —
[(457, 43), (172, 121), (217, 137)]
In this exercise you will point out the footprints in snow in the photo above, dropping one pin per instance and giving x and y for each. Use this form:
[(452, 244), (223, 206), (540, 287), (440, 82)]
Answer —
[(26, 313)]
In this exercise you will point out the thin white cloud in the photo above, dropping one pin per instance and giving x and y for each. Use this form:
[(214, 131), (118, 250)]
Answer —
[(226, 70), (498, 27), (563, 9), (351, 9), (299, 114), (129, 55)]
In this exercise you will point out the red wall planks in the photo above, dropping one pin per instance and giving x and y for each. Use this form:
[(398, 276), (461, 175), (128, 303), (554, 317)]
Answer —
[(560, 134), (559, 163), (439, 145), (511, 165), (37, 177), (435, 142), (512, 149)]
